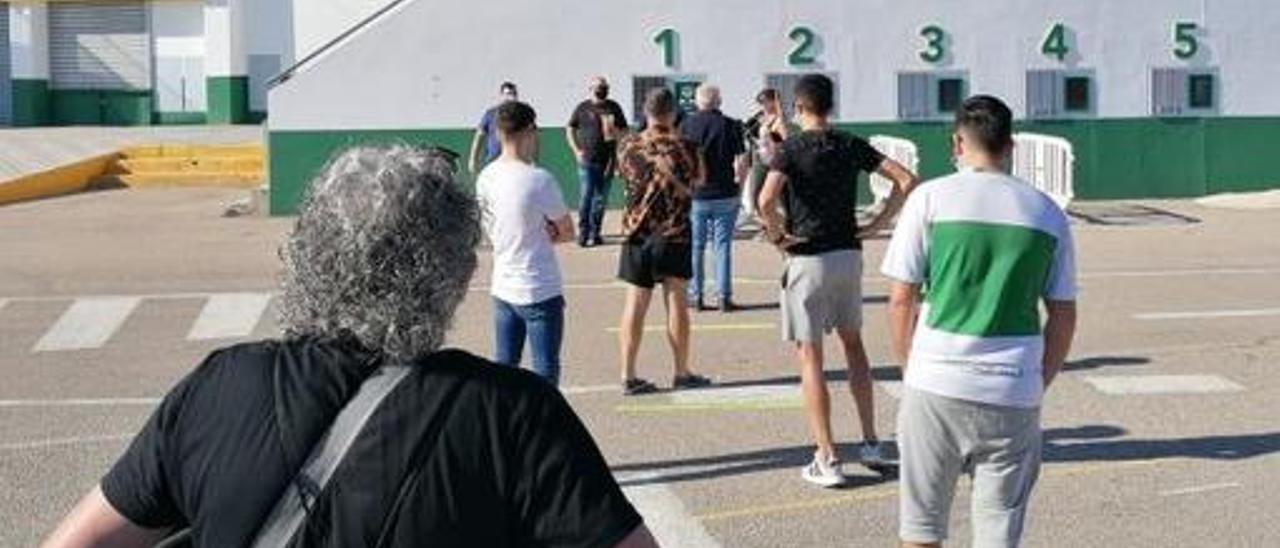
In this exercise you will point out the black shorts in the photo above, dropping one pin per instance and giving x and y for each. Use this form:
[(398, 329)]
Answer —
[(646, 262)]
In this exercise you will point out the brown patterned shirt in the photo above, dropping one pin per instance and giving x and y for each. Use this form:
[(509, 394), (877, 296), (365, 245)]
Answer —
[(660, 170)]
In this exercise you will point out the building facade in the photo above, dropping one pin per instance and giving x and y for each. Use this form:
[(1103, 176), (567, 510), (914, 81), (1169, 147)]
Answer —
[(136, 62)]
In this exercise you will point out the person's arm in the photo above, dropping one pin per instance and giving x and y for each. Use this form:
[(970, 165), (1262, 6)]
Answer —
[(1059, 330), (561, 230), (473, 159), (639, 538), (572, 139), (774, 229), (903, 299), (904, 181), (95, 523)]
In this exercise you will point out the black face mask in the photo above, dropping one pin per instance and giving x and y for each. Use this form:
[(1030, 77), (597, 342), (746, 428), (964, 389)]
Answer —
[(601, 93)]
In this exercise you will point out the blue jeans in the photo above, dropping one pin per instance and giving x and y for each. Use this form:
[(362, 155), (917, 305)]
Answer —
[(542, 322), (595, 194), (713, 219)]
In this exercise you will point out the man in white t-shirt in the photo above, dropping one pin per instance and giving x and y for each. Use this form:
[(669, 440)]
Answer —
[(988, 249), (524, 217)]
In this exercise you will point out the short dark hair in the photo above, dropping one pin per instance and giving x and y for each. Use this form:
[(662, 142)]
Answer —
[(514, 117), (507, 86), (987, 121), (766, 95), (816, 93), (659, 102)]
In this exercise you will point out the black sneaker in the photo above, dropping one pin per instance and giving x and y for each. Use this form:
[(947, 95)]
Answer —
[(636, 387), (697, 305), (597, 241), (690, 381)]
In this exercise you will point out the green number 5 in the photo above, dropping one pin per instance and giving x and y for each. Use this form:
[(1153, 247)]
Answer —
[(935, 44), (1184, 38)]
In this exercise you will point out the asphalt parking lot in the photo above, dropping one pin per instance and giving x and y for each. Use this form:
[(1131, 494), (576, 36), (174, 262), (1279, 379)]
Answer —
[(1162, 431)]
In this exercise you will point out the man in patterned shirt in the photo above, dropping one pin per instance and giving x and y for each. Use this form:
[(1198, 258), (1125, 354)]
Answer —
[(660, 169)]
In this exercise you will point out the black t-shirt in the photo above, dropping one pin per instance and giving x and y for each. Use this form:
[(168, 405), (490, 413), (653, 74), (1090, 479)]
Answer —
[(820, 196), (510, 464), (588, 128), (721, 140)]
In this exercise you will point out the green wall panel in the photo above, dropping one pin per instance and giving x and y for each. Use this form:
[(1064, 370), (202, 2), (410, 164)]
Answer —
[(180, 118), (32, 103), (1115, 158), (102, 107), (228, 98)]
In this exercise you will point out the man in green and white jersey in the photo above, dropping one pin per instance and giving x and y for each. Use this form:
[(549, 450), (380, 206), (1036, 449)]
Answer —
[(985, 249)]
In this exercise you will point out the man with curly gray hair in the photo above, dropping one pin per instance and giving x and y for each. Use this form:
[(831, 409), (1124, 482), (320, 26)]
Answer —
[(462, 452)]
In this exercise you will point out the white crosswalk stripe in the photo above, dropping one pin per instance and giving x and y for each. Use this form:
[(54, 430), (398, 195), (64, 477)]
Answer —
[(1161, 384), (88, 323), (229, 316)]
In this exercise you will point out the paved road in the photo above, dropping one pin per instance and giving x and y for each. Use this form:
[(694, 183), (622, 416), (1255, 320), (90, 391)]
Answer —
[(1163, 431)]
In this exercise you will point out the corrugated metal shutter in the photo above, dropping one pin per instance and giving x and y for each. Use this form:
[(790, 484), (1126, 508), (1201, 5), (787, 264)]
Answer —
[(1044, 93), (913, 96), (785, 83), (6, 70), (1168, 91), (99, 45), (640, 87)]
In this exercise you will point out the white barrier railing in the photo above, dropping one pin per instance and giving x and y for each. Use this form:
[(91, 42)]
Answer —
[(1048, 163), (899, 150)]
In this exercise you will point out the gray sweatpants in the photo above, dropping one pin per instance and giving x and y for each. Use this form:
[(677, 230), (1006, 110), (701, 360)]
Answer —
[(940, 438)]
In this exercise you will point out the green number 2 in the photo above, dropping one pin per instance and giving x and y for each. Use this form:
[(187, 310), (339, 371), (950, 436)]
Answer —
[(1185, 39), (1055, 42), (668, 40), (803, 53), (935, 44)]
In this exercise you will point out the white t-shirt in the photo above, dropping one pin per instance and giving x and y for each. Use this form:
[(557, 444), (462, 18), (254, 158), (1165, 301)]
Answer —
[(517, 201), (988, 248)]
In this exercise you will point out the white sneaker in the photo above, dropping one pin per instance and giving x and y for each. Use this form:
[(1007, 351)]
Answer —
[(826, 474)]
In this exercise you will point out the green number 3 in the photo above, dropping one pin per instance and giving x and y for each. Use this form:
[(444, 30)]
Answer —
[(803, 53), (935, 44)]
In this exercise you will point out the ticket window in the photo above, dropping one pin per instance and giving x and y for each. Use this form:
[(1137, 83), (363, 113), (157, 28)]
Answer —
[(684, 87), (930, 96), (785, 83), (1059, 94), (1184, 92)]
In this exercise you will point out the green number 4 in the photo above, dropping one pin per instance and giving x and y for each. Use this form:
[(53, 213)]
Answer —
[(935, 44), (1055, 42), (1184, 38)]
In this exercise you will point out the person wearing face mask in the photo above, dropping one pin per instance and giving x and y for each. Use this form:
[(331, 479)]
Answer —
[(593, 132), (487, 131)]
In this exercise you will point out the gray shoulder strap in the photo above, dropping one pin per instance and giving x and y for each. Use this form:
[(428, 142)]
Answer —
[(291, 510)]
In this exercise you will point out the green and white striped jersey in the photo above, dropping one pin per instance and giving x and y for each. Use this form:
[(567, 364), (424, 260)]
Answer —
[(987, 248)]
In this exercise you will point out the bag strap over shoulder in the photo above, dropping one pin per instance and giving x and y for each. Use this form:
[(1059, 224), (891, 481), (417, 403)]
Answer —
[(291, 509)]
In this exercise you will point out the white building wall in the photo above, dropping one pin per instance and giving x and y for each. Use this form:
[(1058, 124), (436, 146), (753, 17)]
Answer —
[(434, 64), (29, 40), (177, 27), (270, 30), (318, 21)]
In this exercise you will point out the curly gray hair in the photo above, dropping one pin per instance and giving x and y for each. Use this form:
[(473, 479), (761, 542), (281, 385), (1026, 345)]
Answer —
[(383, 250)]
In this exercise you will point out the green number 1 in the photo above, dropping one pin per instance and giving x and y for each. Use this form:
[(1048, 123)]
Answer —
[(935, 44), (668, 40), (1185, 38), (1055, 43)]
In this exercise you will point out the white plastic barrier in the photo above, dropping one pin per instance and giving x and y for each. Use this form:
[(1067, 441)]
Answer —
[(1048, 163), (898, 149)]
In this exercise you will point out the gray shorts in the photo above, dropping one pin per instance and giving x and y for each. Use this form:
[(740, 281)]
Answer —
[(821, 293), (940, 438)]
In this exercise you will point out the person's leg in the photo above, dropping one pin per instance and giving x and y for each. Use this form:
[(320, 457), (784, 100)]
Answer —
[(677, 324), (586, 187), (632, 328), (860, 384), (932, 461), (1004, 472), (698, 219), (508, 334), (817, 402), (545, 322), (599, 202), (723, 219)]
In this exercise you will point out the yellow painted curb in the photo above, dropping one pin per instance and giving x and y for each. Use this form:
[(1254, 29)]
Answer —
[(61, 180)]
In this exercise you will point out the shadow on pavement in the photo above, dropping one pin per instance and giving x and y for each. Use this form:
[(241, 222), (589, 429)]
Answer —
[(1097, 362), (879, 373), (718, 466), (1098, 446)]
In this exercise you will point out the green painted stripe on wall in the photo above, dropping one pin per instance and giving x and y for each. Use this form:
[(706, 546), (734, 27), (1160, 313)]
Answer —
[(32, 102), (1115, 158), (228, 99), (102, 107), (180, 118)]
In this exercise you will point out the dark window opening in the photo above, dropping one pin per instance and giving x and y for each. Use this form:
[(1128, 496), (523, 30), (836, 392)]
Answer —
[(1200, 91), (1076, 94), (950, 94)]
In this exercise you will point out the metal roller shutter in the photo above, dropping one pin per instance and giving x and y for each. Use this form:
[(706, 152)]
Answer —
[(99, 45), (6, 71)]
